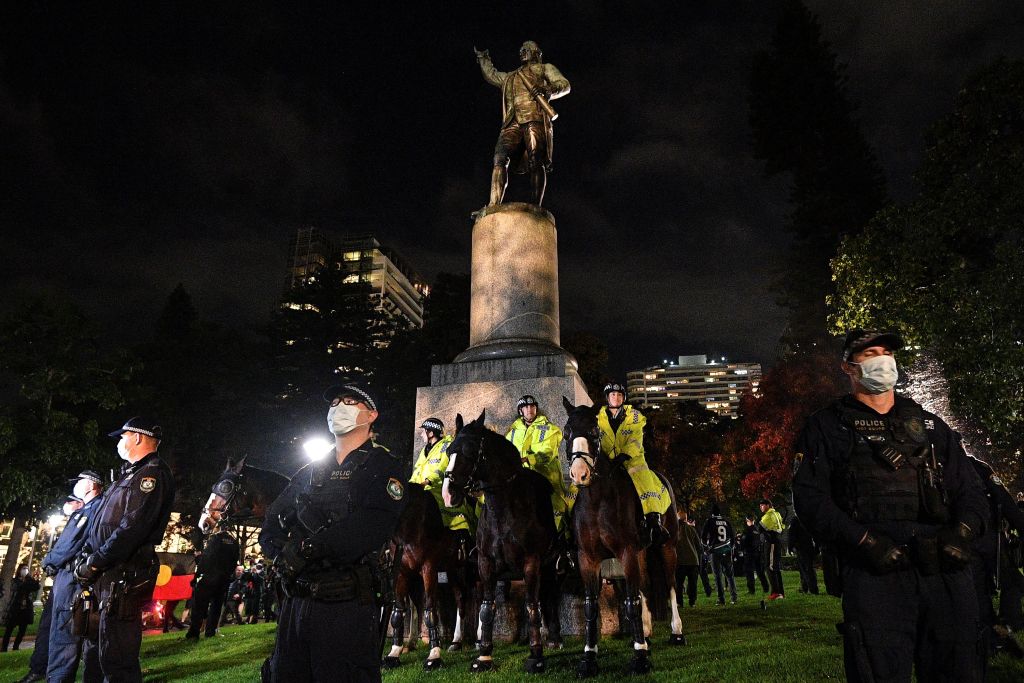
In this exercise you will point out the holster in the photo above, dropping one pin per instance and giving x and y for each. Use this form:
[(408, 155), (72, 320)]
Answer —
[(85, 614), (339, 585)]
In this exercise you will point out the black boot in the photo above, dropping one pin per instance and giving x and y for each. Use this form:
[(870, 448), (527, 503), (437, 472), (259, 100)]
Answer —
[(654, 531)]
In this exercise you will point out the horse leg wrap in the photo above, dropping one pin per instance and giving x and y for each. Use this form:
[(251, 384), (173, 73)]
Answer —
[(633, 610), (486, 627), (397, 626), (428, 619), (591, 613), (533, 614)]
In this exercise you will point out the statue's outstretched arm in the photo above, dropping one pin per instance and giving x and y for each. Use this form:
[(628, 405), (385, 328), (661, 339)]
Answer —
[(491, 75)]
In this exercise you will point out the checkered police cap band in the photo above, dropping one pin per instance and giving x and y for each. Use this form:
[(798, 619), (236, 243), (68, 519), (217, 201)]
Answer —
[(858, 339), (526, 401), (614, 386), (348, 388), (434, 424)]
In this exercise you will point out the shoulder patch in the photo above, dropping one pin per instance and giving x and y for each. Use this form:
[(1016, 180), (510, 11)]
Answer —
[(81, 521), (395, 489), (147, 484)]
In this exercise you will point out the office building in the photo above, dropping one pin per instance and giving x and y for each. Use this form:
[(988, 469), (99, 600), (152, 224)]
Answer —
[(716, 385)]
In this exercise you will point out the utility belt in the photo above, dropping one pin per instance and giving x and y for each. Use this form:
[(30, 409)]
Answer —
[(344, 584)]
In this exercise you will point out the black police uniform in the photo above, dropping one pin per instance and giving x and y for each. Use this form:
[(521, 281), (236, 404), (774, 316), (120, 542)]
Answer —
[(750, 542), (130, 521), (923, 614), (328, 627), (64, 646)]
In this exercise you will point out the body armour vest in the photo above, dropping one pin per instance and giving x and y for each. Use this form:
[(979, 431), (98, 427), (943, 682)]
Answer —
[(892, 474)]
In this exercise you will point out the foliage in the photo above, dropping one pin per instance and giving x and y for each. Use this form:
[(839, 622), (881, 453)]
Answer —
[(946, 269), (60, 383), (771, 420), (804, 127)]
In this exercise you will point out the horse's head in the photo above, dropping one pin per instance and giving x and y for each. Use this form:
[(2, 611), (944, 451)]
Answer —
[(582, 442), (467, 465), (227, 495)]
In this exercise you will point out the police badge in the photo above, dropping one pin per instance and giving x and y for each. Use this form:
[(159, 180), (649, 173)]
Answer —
[(395, 489)]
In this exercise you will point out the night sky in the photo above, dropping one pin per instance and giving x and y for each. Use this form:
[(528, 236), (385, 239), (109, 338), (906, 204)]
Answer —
[(144, 145)]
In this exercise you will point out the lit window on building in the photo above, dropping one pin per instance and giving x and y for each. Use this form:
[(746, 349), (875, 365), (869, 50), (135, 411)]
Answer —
[(651, 375), (740, 372), (351, 279), (352, 255)]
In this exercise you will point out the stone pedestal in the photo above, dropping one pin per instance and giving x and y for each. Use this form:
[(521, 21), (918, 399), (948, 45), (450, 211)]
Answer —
[(514, 340)]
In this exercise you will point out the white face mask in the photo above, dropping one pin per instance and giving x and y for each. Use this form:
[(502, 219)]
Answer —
[(122, 449), (878, 374), (342, 419)]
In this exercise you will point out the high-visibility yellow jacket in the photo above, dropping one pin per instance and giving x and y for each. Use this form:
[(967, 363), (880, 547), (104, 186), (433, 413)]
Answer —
[(431, 464), (772, 521), (628, 440), (539, 444)]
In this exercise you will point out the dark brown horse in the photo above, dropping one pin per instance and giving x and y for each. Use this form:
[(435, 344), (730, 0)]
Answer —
[(422, 546), (241, 495), (515, 532), (607, 518)]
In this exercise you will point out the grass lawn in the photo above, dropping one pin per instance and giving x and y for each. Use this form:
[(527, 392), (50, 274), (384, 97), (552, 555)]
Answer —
[(794, 640)]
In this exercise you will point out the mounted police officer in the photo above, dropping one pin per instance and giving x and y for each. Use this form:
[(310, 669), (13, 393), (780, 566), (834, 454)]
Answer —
[(887, 484), (119, 551), (428, 471), (538, 441), (325, 533), (64, 646), (622, 433)]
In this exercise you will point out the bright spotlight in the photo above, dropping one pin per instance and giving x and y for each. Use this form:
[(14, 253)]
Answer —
[(54, 520), (317, 448)]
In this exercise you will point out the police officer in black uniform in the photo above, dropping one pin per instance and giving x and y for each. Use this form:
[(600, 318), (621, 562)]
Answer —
[(119, 556), (64, 645), (325, 533), (889, 486)]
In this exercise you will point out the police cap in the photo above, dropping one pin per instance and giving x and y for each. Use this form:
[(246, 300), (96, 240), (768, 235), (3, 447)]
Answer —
[(89, 475), (859, 339), (526, 401), (433, 424), (356, 390), (140, 425), (614, 386)]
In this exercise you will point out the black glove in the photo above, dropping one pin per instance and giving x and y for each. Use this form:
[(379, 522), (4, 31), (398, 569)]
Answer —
[(312, 549), (290, 561), (955, 545), (310, 515), (49, 570), (86, 571), (882, 553)]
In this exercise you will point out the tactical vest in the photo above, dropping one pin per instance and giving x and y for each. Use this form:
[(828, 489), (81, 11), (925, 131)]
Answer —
[(892, 474)]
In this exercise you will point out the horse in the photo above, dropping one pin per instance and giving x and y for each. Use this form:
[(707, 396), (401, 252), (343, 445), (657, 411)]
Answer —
[(516, 531), (241, 494), (607, 518), (421, 547)]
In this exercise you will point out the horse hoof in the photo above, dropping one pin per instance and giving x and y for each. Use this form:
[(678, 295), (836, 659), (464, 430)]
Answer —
[(480, 665), (640, 664), (535, 665), (587, 666), (553, 645), (455, 647), (433, 664), (391, 663), (677, 639)]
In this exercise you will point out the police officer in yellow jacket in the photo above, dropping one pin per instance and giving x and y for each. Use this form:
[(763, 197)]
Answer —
[(538, 441), (429, 472), (622, 433)]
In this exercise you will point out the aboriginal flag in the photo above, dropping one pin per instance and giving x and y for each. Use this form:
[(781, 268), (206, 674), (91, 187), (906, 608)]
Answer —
[(174, 582)]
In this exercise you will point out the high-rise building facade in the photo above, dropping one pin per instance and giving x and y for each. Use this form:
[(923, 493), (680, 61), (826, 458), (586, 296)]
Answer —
[(716, 385), (398, 289)]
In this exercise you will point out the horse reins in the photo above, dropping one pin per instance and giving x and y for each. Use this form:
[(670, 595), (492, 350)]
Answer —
[(476, 484), (227, 487)]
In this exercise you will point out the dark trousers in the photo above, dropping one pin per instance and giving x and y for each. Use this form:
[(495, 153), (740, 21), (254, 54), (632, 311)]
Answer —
[(64, 647), (114, 656), (722, 565), (900, 620), (773, 565), (10, 628), (808, 575), (231, 613), (1011, 590), (308, 636), (686, 574), (37, 663), (704, 576), (207, 603), (752, 566)]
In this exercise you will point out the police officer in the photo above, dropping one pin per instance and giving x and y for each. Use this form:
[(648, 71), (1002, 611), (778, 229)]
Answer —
[(324, 533), (65, 646), (538, 441), (888, 486), (428, 471), (214, 570), (622, 433), (119, 551)]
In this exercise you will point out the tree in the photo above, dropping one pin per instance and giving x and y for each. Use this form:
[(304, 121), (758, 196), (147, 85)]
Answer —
[(61, 383), (804, 126), (771, 420), (946, 269)]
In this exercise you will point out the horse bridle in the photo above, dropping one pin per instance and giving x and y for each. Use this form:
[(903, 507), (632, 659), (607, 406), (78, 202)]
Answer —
[(589, 460), (473, 484), (227, 487)]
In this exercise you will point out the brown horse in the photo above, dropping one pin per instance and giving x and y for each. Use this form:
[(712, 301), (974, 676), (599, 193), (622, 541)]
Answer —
[(241, 495), (422, 546), (516, 531), (607, 518)]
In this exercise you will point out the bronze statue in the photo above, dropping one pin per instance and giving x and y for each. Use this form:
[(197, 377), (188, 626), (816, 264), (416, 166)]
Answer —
[(526, 131)]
